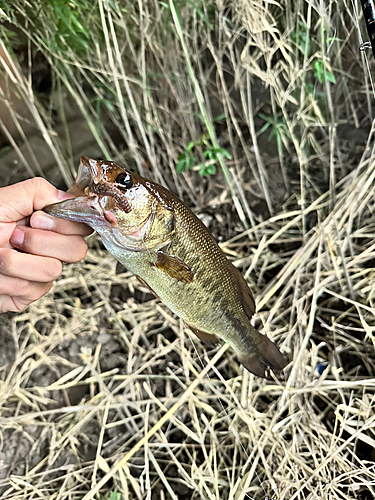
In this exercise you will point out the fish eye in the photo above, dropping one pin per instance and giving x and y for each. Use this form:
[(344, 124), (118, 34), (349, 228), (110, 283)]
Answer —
[(124, 180)]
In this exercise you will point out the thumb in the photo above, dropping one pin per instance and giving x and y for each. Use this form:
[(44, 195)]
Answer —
[(21, 200)]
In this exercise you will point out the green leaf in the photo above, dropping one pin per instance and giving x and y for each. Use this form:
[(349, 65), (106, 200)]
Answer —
[(331, 39), (190, 146), (211, 170), (219, 118), (207, 170), (300, 37), (109, 105), (191, 162), (330, 77), (202, 169), (265, 117), (79, 25), (274, 132), (319, 70), (114, 495), (223, 152), (181, 165), (322, 73), (265, 127), (209, 153)]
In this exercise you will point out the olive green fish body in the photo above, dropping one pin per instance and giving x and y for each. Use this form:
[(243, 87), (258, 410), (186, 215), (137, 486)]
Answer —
[(154, 235), (210, 302)]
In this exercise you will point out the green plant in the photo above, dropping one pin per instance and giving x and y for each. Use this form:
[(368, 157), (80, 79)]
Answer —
[(70, 31), (279, 129), (10, 38), (187, 158), (300, 37), (323, 72), (114, 495)]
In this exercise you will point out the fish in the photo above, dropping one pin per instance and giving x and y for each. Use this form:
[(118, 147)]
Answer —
[(166, 246)]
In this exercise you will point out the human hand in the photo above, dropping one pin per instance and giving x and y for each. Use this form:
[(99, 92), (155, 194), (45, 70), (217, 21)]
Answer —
[(33, 244)]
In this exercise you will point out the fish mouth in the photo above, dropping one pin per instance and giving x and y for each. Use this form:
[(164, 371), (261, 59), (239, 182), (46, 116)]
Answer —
[(89, 210), (91, 180), (91, 196), (88, 175), (88, 171)]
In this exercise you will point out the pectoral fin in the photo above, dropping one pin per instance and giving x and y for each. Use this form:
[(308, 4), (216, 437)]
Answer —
[(173, 266), (206, 338)]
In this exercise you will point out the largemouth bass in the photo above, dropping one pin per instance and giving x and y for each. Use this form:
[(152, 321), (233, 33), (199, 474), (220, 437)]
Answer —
[(154, 235)]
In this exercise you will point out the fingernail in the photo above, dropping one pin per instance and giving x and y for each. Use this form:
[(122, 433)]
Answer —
[(17, 237), (43, 221), (62, 195)]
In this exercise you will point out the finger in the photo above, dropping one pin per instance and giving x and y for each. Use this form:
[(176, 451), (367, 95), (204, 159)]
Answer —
[(22, 199), (16, 294), (16, 304), (9, 304), (49, 244), (41, 220), (29, 267), (24, 289)]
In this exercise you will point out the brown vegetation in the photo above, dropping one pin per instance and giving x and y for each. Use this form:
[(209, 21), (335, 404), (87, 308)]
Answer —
[(87, 371)]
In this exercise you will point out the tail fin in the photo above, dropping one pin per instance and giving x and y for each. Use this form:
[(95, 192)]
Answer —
[(266, 354)]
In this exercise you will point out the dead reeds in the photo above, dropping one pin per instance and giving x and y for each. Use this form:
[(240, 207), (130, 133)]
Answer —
[(102, 393)]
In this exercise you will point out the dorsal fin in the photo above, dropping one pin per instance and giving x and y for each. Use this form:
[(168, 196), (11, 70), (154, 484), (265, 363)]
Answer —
[(246, 295)]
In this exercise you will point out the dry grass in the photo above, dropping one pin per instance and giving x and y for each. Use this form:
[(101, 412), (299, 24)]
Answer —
[(102, 390)]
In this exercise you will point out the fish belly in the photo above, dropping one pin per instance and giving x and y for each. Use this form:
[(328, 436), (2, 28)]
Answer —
[(202, 303)]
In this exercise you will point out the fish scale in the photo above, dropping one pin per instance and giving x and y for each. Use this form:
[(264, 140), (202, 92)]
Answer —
[(158, 238)]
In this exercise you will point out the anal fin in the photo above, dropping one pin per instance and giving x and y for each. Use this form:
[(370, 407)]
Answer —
[(206, 338)]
